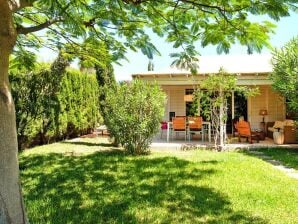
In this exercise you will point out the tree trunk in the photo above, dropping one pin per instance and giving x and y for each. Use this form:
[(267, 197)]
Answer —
[(11, 202), (221, 121)]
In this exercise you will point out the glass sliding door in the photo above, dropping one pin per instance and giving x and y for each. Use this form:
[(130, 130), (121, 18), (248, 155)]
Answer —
[(240, 105), (237, 107)]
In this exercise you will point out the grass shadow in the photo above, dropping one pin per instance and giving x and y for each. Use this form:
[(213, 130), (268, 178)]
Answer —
[(89, 144), (214, 162), (110, 187)]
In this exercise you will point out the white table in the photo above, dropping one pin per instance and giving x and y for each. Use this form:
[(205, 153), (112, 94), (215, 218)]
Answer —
[(204, 123)]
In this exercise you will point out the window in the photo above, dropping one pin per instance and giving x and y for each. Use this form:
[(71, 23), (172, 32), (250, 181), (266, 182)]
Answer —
[(191, 107), (171, 115), (189, 91)]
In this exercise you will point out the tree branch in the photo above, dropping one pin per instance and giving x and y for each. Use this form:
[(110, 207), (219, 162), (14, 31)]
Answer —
[(26, 30), (57, 32)]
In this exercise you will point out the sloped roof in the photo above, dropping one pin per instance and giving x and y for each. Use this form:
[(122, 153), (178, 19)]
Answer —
[(237, 64)]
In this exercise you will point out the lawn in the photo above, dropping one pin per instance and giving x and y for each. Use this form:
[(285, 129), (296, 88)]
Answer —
[(289, 157), (89, 181)]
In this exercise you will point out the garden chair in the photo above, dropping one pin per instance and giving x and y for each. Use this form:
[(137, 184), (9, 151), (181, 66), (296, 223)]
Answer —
[(195, 125), (179, 125), (244, 130)]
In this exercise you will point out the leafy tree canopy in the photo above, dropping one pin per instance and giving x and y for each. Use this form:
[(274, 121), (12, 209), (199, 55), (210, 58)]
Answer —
[(120, 25)]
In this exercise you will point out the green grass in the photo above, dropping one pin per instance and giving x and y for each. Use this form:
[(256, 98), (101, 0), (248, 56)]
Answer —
[(91, 182), (288, 157)]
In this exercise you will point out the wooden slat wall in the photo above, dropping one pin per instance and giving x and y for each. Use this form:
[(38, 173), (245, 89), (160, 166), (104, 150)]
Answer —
[(175, 100), (269, 100)]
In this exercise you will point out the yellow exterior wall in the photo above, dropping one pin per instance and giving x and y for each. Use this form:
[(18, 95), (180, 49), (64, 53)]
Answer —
[(269, 100), (175, 100)]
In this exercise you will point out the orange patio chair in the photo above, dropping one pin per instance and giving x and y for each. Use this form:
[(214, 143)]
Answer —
[(179, 125), (195, 125), (244, 130)]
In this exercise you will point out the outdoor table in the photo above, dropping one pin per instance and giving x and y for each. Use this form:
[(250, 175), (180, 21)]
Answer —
[(101, 129), (204, 124)]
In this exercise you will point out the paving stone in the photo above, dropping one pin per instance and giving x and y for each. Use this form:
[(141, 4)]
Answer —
[(265, 157), (293, 175), (273, 162), (285, 169), (256, 152), (277, 164)]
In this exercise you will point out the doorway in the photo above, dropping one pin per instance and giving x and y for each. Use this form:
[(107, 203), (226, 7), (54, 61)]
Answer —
[(191, 107), (240, 110)]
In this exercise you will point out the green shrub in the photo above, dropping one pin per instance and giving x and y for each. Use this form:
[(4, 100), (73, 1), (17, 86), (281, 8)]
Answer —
[(50, 108), (285, 75), (133, 114)]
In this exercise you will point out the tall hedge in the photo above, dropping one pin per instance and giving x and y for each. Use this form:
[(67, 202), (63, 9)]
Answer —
[(48, 111), (79, 102)]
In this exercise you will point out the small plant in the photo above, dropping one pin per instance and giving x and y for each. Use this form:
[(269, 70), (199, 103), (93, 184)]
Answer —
[(133, 112)]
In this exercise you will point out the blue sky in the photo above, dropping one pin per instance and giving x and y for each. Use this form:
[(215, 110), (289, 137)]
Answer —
[(286, 29)]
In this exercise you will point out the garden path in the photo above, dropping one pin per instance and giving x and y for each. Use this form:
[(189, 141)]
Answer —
[(277, 164)]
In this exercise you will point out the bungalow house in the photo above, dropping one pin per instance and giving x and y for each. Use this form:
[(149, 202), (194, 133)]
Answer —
[(251, 70)]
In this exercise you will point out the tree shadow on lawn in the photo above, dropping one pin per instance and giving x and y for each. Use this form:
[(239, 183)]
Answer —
[(88, 143), (109, 187)]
